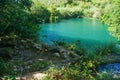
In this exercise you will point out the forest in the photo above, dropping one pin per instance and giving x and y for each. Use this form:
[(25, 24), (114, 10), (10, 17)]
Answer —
[(44, 39)]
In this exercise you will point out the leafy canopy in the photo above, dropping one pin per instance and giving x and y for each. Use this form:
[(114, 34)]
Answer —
[(16, 19), (112, 17)]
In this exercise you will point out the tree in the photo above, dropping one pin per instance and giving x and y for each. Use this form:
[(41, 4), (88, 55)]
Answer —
[(16, 19), (41, 13), (112, 17), (69, 1)]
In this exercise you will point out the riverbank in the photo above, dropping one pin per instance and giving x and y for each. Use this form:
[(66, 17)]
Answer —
[(21, 58)]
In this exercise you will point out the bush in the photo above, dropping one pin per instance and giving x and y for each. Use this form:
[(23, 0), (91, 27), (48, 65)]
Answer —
[(38, 65), (55, 14), (10, 77), (105, 76), (82, 69), (106, 49), (112, 18), (40, 12), (67, 13), (17, 20), (6, 68)]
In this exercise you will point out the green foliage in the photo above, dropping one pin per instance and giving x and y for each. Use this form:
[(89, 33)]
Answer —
[(21, 3), (11, 68), (17, 19), (38, 65), (55, 14), (67, 12), (82, 69), (40, 12), (69, 1), (107, 49), (76, 8), (105, 76), (6, 68), (71, 46), (112, 18), (10, 77)]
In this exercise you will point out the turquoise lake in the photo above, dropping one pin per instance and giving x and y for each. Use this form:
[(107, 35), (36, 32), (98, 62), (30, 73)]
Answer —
[(90, 32)]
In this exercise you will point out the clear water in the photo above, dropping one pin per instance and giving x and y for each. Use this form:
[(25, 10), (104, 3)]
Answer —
[(90, 32)]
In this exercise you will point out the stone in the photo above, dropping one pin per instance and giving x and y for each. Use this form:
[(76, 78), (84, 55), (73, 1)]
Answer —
[(56, 54), (23, 41), (62, 50), (65, 55), (73, 54), (37, 46)]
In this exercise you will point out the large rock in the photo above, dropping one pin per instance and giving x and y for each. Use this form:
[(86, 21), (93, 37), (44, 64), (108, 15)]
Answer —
[(56, 55), (37, 46)]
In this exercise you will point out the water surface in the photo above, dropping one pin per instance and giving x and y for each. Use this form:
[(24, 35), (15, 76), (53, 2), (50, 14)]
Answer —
[(90, 32)]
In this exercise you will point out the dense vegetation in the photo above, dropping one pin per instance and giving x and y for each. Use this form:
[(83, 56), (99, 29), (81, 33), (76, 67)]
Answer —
[(112, 18), (16, 19), (106, 10), (20, 18)]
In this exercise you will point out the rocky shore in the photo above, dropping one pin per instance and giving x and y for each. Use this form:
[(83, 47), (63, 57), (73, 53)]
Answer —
[(24, 53), (31, 59)]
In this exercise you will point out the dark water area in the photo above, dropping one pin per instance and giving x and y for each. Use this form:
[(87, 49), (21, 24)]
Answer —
[(90, 32), (110, 68)]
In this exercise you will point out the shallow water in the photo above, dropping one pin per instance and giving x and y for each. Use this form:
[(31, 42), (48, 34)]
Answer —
[(90, 32)]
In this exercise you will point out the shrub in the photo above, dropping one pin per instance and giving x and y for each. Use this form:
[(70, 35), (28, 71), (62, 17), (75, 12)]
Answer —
[(40, 12), (67, 12), (82, 69), (106, 49), (17, 20), (105, 76), (54, 14), (112, 18), (6, 68), (10, 77), (38, 65)]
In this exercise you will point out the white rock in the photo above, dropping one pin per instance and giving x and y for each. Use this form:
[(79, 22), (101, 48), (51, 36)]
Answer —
[(57, 54)]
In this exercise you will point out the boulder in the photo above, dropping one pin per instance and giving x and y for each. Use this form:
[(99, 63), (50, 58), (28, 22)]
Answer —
[(56, 55), (37, 46)]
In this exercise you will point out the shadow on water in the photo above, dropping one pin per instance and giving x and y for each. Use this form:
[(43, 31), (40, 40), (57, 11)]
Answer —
[(91, 33), (88, 44)]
